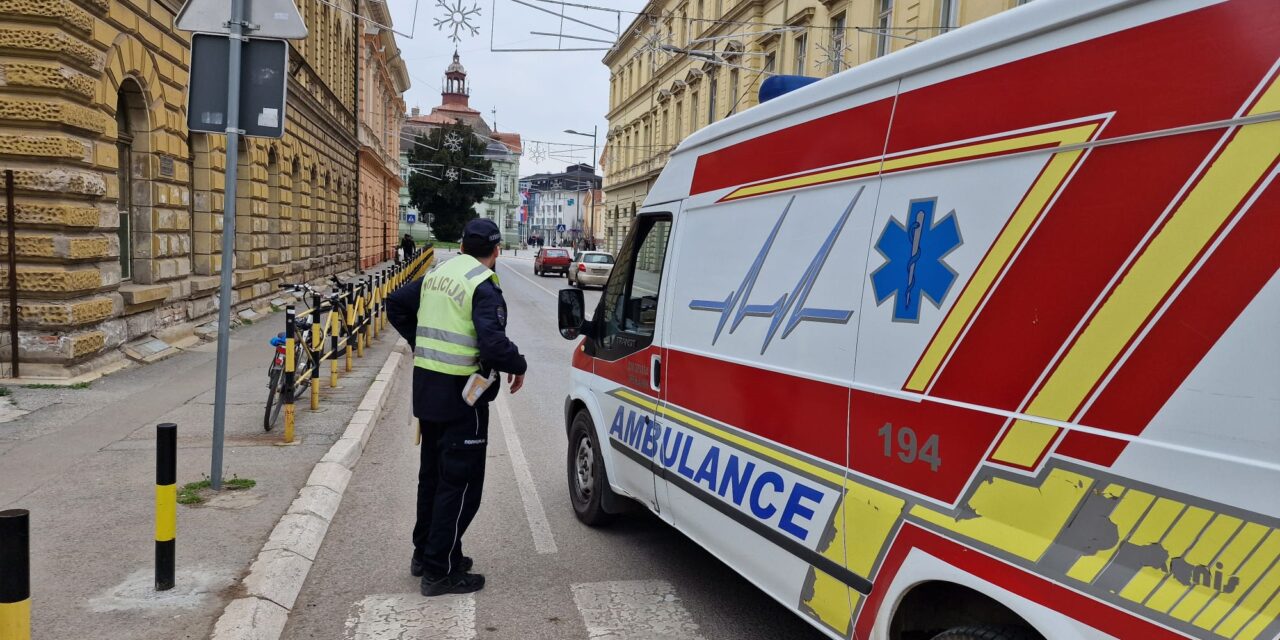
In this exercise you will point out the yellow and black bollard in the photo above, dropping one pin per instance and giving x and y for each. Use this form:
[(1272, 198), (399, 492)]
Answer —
[(290, 371), (334, 346), (166, 503), (317, 349), (351, 320), (15, 575)]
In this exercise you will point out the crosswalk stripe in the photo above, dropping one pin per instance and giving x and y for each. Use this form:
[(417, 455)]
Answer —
[(412, 617), (633, 610)]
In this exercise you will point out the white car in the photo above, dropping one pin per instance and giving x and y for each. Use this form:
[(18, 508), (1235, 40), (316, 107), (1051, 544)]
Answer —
[(590, 269)]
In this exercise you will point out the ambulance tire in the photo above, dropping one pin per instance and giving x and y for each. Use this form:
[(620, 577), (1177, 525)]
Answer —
[(985, 632), (588, 481)]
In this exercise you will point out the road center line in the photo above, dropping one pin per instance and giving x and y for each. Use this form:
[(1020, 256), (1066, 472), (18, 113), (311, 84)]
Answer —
[(531, 281), (543, 541)]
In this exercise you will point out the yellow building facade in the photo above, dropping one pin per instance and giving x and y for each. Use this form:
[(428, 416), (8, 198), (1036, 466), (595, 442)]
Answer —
[(683, 64), (119, 207)]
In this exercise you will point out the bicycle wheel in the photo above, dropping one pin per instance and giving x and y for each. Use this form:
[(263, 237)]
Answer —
[(274, 388)]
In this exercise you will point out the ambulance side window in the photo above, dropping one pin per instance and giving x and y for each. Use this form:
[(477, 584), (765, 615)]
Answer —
[(630, 302)]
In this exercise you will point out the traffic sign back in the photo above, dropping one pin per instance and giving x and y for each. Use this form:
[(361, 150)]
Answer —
[(270, 18)]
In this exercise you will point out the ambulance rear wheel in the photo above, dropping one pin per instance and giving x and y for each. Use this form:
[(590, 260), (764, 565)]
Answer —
[(986, 632), (587, 480)]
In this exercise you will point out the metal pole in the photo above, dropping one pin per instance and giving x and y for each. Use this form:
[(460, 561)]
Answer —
[(236, 25), (13, 273), (166, 503)]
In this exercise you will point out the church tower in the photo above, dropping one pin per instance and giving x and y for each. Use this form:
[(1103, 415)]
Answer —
[(455, 92)]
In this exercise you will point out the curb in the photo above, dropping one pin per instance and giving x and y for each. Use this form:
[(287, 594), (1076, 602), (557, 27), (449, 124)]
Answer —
[(276, 577)]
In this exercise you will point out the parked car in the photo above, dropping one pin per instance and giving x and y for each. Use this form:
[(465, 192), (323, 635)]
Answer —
[(551, 260), (590, 268)]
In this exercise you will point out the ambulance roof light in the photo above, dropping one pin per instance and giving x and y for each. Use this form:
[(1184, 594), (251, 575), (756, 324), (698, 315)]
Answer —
[(776, 86)]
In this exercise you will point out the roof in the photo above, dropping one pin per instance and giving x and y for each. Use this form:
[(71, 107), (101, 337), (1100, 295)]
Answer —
[(512, 140)]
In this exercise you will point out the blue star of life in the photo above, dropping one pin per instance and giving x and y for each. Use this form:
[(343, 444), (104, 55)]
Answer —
[(914, 254), (789, 306)]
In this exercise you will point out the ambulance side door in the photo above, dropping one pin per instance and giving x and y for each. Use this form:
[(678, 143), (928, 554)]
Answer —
[(628, 356)]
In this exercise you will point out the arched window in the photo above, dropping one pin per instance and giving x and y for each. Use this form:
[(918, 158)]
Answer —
[(274, 230), (131, 120)]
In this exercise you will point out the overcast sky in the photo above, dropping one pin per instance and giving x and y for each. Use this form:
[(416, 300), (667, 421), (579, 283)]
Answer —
[(536, 94)]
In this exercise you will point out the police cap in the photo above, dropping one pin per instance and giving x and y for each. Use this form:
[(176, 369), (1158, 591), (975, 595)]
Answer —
[(480, 234)]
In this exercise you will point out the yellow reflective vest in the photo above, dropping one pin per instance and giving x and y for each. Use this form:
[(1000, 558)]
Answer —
[(446, 338)]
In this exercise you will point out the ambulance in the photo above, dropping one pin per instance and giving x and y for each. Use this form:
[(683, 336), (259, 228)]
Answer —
[(978, 340)]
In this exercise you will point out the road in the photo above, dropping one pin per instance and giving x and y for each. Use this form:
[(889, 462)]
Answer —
[(548, 576)]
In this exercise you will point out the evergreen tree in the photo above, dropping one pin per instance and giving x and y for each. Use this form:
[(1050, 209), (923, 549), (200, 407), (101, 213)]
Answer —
[(448, 178)]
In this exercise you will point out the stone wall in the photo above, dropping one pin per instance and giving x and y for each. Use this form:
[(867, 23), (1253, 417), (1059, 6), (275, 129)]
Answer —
[(93, 124)]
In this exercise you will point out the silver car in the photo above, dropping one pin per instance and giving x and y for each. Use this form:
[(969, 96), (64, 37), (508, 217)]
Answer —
[(590, 268)]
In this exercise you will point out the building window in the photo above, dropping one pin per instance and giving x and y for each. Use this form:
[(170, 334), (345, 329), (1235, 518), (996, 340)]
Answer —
[(949, 14), (801, 46), (131, 118), (693, 111), (713, 81), (770, 62), (884, 20), (837, 44), (679, 122)]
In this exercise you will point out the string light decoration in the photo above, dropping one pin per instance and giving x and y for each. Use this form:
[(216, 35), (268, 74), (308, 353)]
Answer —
[(451, 174), (453, 142), (458, 18)]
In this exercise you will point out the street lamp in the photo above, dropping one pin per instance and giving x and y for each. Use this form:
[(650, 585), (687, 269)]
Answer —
[(592, 135)]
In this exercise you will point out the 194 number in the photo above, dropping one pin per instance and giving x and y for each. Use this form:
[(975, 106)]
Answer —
[(908, 447)]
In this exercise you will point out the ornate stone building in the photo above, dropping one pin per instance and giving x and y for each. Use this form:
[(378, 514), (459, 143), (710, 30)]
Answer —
[(657, 98), (383, 81), (119, 208)]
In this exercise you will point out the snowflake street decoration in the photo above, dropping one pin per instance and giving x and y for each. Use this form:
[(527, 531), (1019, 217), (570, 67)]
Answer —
[(915, 267), (557, 185), (458, 18), (832, 56), (451, 174), (536, 152), (453, 142)]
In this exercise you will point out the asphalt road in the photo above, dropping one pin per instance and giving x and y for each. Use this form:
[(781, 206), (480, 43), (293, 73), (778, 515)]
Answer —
[(548, 575)]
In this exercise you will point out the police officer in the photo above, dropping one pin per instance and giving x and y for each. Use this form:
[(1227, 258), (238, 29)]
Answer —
[(456, 319)]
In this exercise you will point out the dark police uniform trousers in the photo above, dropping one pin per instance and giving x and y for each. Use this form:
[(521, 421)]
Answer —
[(455, 436)]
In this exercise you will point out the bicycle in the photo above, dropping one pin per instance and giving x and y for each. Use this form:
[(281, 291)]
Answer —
[(302, 357)]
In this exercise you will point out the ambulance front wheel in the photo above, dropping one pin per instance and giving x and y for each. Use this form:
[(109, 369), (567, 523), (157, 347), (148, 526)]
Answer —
[(588, 483), (987, 632)]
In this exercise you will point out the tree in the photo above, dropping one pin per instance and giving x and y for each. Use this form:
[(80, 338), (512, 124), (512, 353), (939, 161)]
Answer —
[(448, 176)]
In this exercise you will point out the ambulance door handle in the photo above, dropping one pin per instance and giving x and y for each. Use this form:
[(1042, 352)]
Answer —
[(655, 372)]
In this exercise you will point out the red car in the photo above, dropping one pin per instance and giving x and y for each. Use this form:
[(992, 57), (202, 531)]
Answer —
[(551, 260)]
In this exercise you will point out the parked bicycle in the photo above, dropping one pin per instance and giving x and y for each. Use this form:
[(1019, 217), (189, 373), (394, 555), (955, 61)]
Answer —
[(304, 362)]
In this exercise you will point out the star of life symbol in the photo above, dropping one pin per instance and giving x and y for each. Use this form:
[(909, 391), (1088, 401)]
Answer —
[(451, 174), (789, 310), (453, 142), (458, 18), (914, 267)]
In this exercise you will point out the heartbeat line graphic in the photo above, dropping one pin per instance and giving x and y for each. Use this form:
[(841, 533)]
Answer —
[(789, 306)]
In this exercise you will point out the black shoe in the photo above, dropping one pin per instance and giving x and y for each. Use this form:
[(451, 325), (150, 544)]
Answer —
[(460, 582), (416, 569)]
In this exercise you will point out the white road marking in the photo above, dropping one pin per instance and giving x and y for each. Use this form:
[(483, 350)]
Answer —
[(412, 617), (633, 610), (543, 541), (531, 281)]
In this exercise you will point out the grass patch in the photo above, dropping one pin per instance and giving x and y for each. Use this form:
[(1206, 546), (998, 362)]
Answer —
[(77, 386), (445, 245), (193, 492)]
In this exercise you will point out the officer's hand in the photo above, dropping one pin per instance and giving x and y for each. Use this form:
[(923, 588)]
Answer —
[(515, 381)]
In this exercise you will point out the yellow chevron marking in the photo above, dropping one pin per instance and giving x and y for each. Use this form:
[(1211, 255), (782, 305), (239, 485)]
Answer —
[(1180, 538), (1125, 516), (1239, 166), (1002, 250), (1020, 519)]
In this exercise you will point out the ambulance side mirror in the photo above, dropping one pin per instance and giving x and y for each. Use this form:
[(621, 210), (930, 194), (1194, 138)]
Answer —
[(572, 313)]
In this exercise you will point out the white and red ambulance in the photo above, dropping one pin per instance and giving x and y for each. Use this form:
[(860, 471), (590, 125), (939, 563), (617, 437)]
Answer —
[(976, 340)]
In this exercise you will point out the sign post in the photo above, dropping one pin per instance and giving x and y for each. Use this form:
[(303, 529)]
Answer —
[(273, 19)]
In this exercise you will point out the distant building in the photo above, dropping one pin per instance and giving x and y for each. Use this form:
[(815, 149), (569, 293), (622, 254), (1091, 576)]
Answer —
[(383, 81), (562, 200), (503, 149)]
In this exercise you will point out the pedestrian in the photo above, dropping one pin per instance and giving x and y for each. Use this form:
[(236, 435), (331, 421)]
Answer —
[(407, 246), (456, 319)]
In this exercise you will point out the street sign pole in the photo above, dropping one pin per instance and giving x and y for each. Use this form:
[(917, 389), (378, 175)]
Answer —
[(236, 26)]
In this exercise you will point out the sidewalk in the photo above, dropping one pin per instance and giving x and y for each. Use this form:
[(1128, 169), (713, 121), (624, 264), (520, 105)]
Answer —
[(83, 462)]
